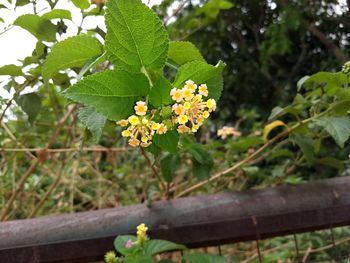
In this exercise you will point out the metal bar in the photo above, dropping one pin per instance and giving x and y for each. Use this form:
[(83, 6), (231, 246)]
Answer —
[(193, 221)]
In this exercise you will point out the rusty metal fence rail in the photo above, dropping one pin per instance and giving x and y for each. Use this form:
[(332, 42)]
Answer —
[(194, 221)]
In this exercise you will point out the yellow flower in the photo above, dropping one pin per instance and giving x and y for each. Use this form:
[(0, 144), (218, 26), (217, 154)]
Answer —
[(206, 114), (187, 94), (190, 85), (203, 90), (176, 94), (162, 129), (141, 234), (134, 120), (211, 104), (187, 105), (183, 129), (155, 126), (178, 109), (134, 142), (111, 257), (144, 139), (140, 108), (195, 128), (126, 133), (182, 119), (123, 123)]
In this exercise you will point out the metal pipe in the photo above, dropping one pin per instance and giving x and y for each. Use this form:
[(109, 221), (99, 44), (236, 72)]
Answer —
[(194, 221)]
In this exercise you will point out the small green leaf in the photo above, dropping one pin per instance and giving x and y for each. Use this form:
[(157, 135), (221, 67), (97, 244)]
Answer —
[(160, 92), (39, 27), (168, 165), (120, 242), (93, 120), (203, 258), (136, 37), (57, 13), (112, 93), (202, 73), (82, 4), (72, 52), (30, 104), (306, 145), (182, 52), (168, 141), (341, 107), (201, 171), (276, 112), (331, 162), (328, 80), (337, 127), (22, 2), (156, 246), (11, 70)]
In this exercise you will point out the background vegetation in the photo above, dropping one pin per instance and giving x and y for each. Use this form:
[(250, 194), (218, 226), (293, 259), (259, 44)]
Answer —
[(50, 163)]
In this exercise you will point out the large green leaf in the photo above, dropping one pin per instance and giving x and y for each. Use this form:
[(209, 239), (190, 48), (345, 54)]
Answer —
[(202, 73), (160, 92), (182, 52), (112, 93), (168, 141), (11, 70), (306, 145), (120, 244), (337, 127), (58, 13), (93, 121), (203, 258), (30, 104), (156, 246), (39, 27), (168, 165), (136, 37), (72, 52)]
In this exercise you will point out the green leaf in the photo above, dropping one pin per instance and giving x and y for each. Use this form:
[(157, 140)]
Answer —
[(93, 120), (39, 27), (337, 127), (57, 13), (328, 80), (112, 93), (160, 92), (203, 258), (331, 162), (30, 104), (156, 246), (120, 242), (168, 165), (72, 52), (11, 70), (202, 73), (22, 2), (341, 107), (90, 64), (82, 4), (202, 163), (168, 141), (306, 145), (136, 37), (182, 52), (276, 112)]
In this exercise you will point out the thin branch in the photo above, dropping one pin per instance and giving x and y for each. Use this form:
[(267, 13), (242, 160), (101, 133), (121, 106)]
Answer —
[(155, 172)]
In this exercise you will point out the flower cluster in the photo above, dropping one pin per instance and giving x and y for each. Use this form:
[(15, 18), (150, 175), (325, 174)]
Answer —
[(111, 257), (226, 131), (190, 108), (141, 234), (140, 128), (186, 115)]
